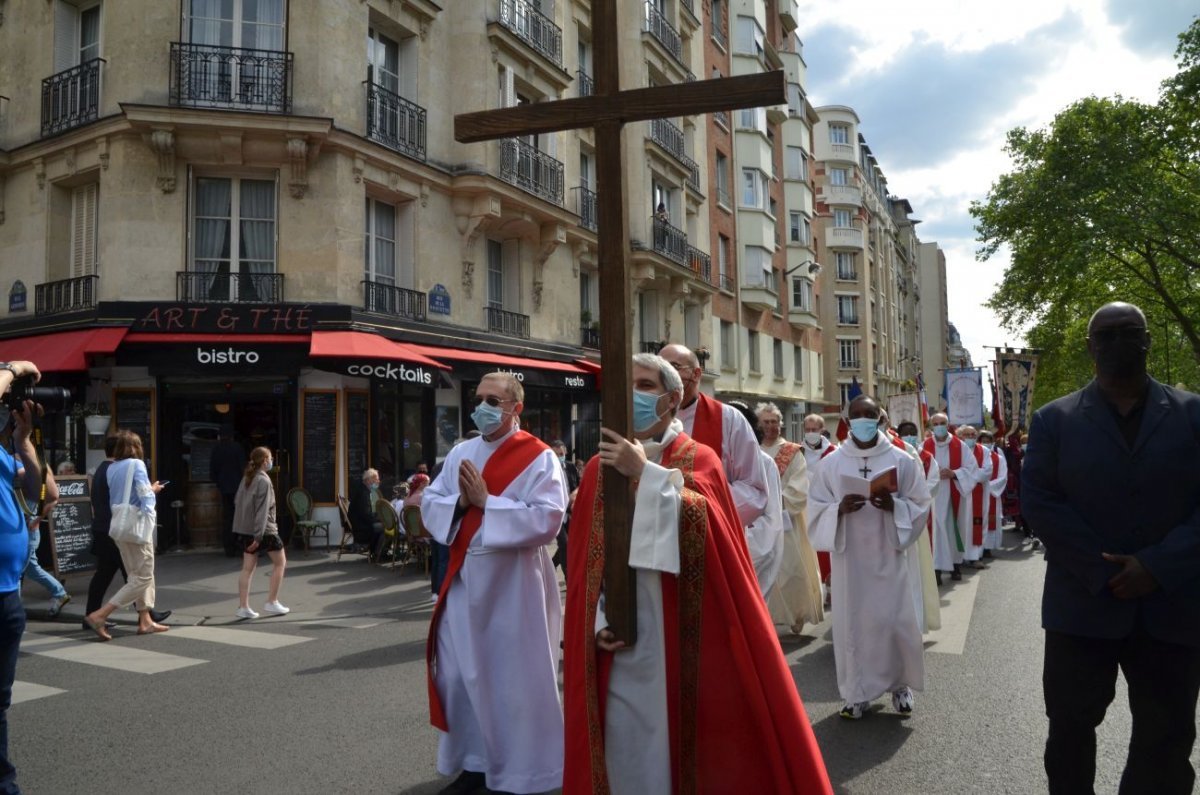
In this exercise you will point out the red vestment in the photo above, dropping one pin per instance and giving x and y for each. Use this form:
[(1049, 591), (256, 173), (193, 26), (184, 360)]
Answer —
[(736, 720)]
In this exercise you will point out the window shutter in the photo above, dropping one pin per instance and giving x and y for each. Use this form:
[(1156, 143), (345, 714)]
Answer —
[(508, 88), (66, 35), (511, 259), (83, 231)]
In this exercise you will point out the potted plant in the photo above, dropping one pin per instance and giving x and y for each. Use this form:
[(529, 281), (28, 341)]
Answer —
[(96, 416)]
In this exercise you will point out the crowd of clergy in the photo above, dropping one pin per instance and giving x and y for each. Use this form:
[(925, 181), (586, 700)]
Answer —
[(738, 536)]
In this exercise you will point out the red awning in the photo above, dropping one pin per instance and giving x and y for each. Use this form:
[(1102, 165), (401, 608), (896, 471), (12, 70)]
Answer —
[(216, 339), (64, 351), (479, 357), (362, 345)]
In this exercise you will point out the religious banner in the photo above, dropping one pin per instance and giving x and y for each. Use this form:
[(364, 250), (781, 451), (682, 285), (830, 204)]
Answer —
[(904, 407), (964, 396), (1017, 371)]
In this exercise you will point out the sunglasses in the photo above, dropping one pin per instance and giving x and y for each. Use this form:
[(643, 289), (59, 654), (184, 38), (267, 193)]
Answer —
[(491, 400), (1119, 334)]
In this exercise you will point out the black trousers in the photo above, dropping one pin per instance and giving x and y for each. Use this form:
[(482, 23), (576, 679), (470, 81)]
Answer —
[(108, 563), (1079, 682)]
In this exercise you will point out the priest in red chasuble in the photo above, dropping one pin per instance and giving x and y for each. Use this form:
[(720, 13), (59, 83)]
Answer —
[(704, 701)]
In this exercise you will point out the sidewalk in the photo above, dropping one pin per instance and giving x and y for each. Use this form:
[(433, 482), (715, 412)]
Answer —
[(200, 587)]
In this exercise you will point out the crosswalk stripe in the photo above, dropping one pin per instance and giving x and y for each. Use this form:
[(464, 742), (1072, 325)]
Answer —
[(346, 623), (247, 638), (116, 655), (30, 691), (956, 618)]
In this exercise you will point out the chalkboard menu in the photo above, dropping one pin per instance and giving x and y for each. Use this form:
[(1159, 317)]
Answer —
[(135, 412), (357, 406), (200, 455), (318, 439), (71, 527)]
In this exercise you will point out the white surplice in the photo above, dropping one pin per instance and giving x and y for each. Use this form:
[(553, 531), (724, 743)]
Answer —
[(948, 527), (498, 642), (764, 536), (739, 458), (995, 511), (812, 456), (931, 602), (876, 634), (983, 472), (796, 598)]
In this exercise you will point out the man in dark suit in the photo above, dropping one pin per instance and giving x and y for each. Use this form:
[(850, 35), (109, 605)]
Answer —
[(226, 468), (1111, 484)]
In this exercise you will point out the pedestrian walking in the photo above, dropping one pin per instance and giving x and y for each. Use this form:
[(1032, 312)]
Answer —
[(255, 527)]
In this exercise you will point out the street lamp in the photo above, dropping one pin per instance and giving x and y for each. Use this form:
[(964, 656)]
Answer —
[(814, 268)]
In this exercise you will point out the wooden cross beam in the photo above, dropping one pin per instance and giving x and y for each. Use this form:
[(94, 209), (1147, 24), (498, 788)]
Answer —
[(607, 112)]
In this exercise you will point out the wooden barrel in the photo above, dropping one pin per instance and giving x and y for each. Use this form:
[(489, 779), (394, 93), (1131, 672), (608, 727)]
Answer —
[(204, 515)]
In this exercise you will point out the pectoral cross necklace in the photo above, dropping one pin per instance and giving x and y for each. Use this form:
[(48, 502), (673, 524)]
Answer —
[(866, 470)]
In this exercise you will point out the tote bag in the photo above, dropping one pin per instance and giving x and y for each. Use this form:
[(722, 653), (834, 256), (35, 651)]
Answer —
[(129, 523)]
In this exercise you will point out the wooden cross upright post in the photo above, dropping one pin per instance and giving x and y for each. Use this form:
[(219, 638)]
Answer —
[(607, 112)]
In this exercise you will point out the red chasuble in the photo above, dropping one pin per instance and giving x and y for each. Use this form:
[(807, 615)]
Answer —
[(735, 717), (977, 501), (708, 425), (503, 466)]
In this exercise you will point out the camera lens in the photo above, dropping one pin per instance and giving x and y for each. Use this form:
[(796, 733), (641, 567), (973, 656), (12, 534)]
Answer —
[(53, 399)]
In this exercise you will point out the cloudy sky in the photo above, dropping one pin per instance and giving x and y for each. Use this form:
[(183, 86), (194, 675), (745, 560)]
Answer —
[(938, 83)]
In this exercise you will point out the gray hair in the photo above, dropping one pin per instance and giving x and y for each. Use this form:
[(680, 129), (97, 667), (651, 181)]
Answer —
[(369, 473), (666, 373), (768, 408), (817, 418)]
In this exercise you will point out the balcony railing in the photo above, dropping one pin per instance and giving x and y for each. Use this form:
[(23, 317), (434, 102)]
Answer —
[(669, 137), (701, 263), (666, 35), (395, 122), (66, 295), (198, 287), (719, 33), (587, 208), (651, 347), (670, 242), (587, 86), (590, 337), (693, 177), (726, 283), (533, 27), (531, 169), (388, 299), (721, 117), (71, 98), (211, 76), (510, 324), (849, 365)]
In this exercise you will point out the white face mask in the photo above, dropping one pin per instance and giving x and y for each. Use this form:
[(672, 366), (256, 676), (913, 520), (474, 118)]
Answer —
[(813, 438)]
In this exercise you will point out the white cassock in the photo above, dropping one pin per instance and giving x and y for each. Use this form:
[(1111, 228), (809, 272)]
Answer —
[(982, 474), (739, 457), (812, 456), (637, 686), (876, 634), (948, 527), (995, 492), (498, 642), (931, 602), (796, 598), (765, 535)]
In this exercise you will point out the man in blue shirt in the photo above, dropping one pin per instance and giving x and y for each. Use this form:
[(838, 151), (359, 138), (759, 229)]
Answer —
[(14, 553)]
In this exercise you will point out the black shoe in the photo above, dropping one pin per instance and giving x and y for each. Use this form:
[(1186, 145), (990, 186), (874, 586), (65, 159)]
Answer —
[(159, 617), (107, 625), (957, 573), (467, 783), (987, 553), (937, 575)]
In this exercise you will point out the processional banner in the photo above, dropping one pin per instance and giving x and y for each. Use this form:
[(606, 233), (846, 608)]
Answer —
[(964, 396), (1017, 371), (904, 408)]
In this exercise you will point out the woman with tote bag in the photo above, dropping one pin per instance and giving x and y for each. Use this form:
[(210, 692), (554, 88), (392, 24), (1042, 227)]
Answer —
[(132, 496)]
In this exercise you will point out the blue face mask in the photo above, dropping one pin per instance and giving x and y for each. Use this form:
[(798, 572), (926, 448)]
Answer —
[(940, 431), (487, 418), (912, 440), (645, 410), (970, 443), (864, 428)]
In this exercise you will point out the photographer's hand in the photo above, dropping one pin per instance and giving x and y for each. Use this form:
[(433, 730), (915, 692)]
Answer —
[(19, 370)]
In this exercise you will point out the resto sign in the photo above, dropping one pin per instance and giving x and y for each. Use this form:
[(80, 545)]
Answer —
[(546, 378)]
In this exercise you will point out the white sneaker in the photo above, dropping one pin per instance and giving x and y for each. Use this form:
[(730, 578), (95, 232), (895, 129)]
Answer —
[(433, 599), (246, 612), (853, 711), (902, 701), (276, 609), (57, 603)]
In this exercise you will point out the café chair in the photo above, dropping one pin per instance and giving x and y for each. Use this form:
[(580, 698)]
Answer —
[(300, 506)]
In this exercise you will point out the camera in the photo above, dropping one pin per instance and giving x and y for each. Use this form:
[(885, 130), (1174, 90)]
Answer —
[(52, 399)]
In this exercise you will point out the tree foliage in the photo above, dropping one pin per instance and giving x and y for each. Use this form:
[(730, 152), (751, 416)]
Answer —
[(1103, 205)]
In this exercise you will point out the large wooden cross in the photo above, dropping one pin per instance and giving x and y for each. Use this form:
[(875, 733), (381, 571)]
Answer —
[(607, 112)]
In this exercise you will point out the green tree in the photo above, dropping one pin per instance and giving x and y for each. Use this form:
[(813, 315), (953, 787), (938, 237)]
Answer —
[(1103, 205)]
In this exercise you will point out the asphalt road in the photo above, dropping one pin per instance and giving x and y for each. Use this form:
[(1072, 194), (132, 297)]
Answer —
[(331, 698)]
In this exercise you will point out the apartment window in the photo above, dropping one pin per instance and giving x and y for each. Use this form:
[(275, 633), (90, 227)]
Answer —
[(76, 34), (752, 350), (844, 392), (800, 228), (755, 189), (728, 361), (839, 134), (847, 306), (380, 254), (802, 294), (795, 100), (797, 364), (842, 218), (254, 24), (233, 229), (502, 289), (758, 272), (753, 119), (748, 37), (691, 326), (722, 167), (839, 176), (722, 258), (777, 356), (648, 315), (845, 266), (83, 229), (795, 164), (848, 355), (585, 293)]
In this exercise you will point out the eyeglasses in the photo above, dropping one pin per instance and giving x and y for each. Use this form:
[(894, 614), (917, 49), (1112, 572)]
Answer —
[(1119, 334), (491, 400)]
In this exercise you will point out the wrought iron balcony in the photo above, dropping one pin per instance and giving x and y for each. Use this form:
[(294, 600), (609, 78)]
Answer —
[(531, 169), (199, 287), (666, 35), (395, 122), (388, 299), (238, 78), (66, 295), (587, 86), (533, 27), (670, 242), (849, 365), (721, 117), (71, 98), (726, 283), (693, 177), (669, 137), (701, 263), (590, 337), (587, 208), (651, 347), (510, 324)]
